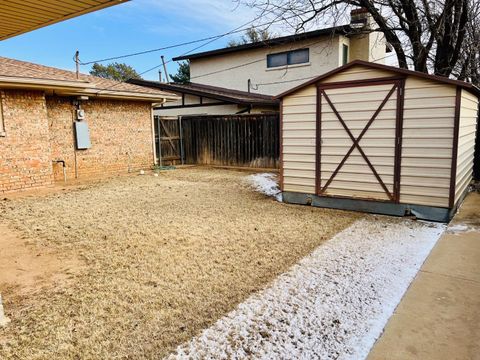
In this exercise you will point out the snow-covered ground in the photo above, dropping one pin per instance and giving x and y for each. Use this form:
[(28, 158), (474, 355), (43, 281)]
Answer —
[(332, 305), (265, 183)]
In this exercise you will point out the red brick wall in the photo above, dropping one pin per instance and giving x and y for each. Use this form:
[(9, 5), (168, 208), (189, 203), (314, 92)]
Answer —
[(40, 130), (25, 160), (120, 133)]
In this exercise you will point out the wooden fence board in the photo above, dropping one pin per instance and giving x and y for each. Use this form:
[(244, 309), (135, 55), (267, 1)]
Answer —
[(232, 140)]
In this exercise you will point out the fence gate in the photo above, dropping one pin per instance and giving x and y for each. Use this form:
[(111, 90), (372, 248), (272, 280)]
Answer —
[(168, 140)]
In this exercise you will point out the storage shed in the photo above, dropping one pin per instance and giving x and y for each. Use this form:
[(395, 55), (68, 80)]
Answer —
[(379, 139)]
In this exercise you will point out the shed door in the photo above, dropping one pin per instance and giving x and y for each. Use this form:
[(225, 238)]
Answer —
[(360, 139)]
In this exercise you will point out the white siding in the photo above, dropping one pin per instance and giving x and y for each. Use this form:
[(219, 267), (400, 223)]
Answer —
[(466, 142)]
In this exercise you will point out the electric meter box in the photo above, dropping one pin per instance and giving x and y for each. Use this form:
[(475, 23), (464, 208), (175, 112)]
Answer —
[(82, 135)]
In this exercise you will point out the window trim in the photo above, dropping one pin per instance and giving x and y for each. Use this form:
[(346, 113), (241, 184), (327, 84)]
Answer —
[(287, 53)]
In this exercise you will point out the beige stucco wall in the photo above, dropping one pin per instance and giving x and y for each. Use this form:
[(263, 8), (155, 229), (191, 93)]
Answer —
[(369, 47), (426, 149), (325, 55)]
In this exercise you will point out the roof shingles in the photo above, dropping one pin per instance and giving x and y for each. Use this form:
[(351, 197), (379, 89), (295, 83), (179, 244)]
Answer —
[(22, 69)]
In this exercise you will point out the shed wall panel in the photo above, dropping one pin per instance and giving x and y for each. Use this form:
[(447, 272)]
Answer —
[(378, 143), (466, 142), (427, 142), (299, 139)]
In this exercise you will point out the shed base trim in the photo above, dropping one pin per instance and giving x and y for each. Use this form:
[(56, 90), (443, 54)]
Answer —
[(376, 207)]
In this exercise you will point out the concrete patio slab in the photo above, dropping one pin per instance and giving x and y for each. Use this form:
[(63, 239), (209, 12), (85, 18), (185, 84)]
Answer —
[(439, 316)]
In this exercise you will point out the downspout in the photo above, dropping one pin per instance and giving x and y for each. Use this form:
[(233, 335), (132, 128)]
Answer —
[(74, 144), (153, 135)]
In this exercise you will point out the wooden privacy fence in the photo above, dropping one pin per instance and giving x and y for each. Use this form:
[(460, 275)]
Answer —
[(232, 140)]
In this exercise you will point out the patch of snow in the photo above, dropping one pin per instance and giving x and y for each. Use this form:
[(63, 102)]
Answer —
[(3, 319), (333, 304), (265, 183), (460, 228)]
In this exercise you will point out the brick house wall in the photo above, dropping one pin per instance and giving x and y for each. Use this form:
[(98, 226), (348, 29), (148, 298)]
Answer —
[(25, 160), (120, 133), (39, 129)]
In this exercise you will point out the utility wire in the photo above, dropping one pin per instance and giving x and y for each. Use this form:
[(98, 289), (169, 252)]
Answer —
[(200, 46), (212, 38)]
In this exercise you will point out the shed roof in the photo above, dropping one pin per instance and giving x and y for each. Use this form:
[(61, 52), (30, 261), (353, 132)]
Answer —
[(20, 16), (213, 92), (467, 86), (344, 29), (22, 74)]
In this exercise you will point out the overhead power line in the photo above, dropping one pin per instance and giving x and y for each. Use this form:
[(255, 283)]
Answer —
[(240, 28), (229, 68), (209, 38)]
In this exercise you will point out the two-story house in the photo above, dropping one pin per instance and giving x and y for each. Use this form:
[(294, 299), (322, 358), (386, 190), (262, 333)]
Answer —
[(242, 78)]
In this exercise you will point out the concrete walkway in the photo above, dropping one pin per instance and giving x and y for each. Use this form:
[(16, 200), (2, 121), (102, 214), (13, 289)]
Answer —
[(439, 316)]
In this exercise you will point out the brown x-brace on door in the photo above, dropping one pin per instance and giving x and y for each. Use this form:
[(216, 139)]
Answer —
[(359, 135)]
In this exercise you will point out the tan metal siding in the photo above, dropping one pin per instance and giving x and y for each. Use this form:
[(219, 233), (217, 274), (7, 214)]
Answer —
[(299, 134), (358, 73), (356, 106), (428, 121), (466, 142), (428, 128)]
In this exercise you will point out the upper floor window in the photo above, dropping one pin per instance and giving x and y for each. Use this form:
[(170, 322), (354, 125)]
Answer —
[(288, 58)]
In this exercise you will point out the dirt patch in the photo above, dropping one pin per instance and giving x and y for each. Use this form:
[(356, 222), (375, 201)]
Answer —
[(28, 268), (164, 258)]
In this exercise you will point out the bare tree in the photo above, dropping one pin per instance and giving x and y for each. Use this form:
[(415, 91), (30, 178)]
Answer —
[(252, 35), (468, 67), (433, 36)]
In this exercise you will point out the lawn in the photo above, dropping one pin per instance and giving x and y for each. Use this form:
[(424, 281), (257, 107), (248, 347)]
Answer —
[(147, 262)]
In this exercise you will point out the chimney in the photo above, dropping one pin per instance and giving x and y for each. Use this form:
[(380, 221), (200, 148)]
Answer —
[(360, 19)]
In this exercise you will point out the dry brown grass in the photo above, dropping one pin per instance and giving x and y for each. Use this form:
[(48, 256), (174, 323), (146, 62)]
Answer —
[(163, 258)]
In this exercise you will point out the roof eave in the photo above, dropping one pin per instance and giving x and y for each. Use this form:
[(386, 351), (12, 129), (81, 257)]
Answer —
[(128, 95), (63, 18), (76, 88), (41, 84), (266, 43), (226, 98)]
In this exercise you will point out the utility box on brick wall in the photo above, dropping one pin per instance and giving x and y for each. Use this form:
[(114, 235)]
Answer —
[(82, 135)]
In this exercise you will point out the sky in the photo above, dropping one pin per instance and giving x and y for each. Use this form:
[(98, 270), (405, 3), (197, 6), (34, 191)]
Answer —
[(130, 27)]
